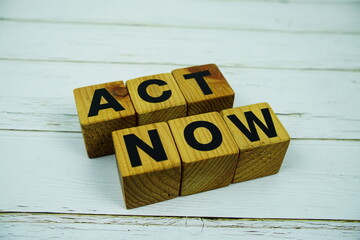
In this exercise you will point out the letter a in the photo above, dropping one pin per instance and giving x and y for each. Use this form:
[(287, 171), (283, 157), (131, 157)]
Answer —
[(96, 106)]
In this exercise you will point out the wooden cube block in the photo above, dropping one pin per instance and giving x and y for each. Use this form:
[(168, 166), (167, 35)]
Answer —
[(205, 89), (102, 109), (208, 152), (261, 138), (148, 163), (156, 98)]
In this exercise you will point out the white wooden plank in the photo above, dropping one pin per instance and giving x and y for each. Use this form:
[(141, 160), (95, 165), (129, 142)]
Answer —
[(140, 45), (294, 16), (66, 226), (38, 96), (49, 172)]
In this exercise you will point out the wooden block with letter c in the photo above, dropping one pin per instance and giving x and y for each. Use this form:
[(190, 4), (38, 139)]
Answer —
[(156, 98), (208, 152), (148, 163), (205, 89), (103, 108), (261, 138)]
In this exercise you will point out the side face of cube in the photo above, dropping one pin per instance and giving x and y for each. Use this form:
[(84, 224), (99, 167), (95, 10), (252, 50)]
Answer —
[(103, 108), (148, 163), (261, 138)]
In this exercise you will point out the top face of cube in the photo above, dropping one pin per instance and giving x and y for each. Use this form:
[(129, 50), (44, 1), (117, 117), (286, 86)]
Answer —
[(145, 149), (103, 102), (201, 83), (202, 136), (156, 92), (254, 126)]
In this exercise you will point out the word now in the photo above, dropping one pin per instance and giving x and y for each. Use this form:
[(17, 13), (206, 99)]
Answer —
[(176, 134)]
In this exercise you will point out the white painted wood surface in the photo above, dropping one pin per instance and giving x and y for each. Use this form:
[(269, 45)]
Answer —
[(303, 57), (154, 45), (74, 226)]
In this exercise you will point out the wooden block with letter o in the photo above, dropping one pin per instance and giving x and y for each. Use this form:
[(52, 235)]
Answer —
[(208, 152), (148, 163), (156, 98), (102, 109), (205, 88), (261, 138)]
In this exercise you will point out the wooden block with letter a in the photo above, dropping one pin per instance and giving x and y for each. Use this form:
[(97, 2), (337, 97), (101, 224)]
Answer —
[(205, 88), (208, 152), (148, 164), (261, 138), (156, 98), (102, 109)]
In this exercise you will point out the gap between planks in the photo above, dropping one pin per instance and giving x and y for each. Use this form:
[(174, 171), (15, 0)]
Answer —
[(174, 64), (300, 139), (79, 215), (222, 28)]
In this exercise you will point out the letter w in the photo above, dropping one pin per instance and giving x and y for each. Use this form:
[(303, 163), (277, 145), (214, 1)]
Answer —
[(251, 119)]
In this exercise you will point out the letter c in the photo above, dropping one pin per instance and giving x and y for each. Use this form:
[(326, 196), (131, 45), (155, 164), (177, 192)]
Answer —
[(146, 97)]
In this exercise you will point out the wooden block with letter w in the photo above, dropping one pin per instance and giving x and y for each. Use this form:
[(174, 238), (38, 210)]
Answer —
[(261, 138), (148, 163)]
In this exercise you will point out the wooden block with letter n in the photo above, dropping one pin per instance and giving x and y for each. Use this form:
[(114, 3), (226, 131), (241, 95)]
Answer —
[(148, 163), (156, 98), (261, 138), (205, 89), (102, 109), (208, 152)]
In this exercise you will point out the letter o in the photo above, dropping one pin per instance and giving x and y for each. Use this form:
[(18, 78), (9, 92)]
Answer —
[(191, 140)]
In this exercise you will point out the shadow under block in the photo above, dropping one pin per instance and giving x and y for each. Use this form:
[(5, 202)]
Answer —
[(261, 138), (102, 109), (208, 152), (205, 89), (148, 163), (156, 98)]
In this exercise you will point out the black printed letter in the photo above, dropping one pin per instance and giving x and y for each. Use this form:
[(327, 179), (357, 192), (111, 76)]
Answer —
[(146, 97), (200, 81), (96, 106), (191, 140), (157, 152), (253, 135)]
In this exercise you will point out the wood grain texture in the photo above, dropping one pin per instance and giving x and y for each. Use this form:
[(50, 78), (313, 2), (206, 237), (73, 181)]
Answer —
[(152, 181), (75, 226), (204, 170), (97, 129), (258, 157), (151, 112), (213, 93)]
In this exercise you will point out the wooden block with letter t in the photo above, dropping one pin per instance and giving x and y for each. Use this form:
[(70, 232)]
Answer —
[(156, 98), (205, 88), (148, 164), (261, 138), (208, 152), (102, 109)]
